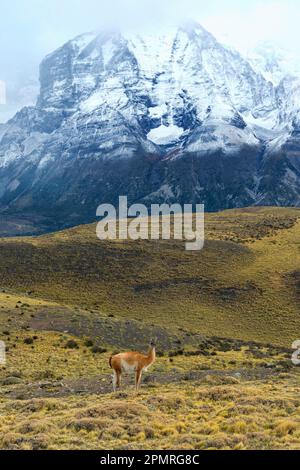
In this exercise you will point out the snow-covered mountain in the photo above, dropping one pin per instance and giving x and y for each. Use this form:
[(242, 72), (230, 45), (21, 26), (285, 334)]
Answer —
[(274, 62), (172, 116)]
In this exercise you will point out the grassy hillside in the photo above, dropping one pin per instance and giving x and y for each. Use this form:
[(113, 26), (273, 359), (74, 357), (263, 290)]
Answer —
[(224, 318), (244, 284)]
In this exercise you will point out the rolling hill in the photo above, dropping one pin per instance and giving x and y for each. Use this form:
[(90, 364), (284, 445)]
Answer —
[(244, 284)]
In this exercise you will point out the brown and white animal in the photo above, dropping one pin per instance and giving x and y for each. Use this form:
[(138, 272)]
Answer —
[(131, 362)]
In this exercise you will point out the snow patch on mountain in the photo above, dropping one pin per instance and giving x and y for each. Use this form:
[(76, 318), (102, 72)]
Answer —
[(108, 51), (158, 112), (267, 121), (220, 136), (165, 135)]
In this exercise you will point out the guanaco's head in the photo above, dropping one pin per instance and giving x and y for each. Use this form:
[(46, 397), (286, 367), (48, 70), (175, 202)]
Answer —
[(152, 343)]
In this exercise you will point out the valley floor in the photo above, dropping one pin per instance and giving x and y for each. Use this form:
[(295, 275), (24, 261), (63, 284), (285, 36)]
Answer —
[(213, 411), (55, 393)]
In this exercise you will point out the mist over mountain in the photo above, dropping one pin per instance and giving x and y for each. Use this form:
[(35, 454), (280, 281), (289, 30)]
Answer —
[(168, 117)]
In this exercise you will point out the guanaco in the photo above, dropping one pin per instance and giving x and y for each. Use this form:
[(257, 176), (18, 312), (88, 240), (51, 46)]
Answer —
[(131, 362)]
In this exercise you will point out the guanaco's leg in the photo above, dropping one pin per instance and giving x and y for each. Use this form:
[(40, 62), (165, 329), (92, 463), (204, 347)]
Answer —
[(116, 380), (119, 379), (138, 378)]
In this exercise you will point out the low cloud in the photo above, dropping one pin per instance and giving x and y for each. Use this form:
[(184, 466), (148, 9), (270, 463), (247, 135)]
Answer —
[(30, 28)]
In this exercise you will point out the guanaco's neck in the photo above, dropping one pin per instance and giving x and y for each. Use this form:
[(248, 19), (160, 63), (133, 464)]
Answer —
[(151, 354)]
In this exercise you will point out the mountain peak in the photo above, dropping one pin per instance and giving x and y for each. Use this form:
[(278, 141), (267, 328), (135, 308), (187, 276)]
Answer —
[(162, 116), (192, 26)]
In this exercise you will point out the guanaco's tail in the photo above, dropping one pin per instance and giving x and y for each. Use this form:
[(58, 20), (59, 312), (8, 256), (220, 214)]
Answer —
[(110, 359)]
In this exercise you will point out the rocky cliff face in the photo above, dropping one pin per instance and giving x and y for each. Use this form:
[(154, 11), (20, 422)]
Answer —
[(173, 117)]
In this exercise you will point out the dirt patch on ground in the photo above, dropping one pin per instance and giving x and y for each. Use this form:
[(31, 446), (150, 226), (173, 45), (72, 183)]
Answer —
[(106, 331), (231, 293), (103, 385), (202, 283), (117, 334), (207, 287)]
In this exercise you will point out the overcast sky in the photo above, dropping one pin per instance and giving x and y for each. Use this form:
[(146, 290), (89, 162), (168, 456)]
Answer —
[(32, 28)]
